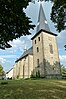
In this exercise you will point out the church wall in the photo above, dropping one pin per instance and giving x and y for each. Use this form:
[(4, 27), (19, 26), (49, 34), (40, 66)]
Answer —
[(38, 55), (9, 75), (18, 66), (26, 67), (30, 66), (23, 68), (48, 55), (51, 59), (14, 72)]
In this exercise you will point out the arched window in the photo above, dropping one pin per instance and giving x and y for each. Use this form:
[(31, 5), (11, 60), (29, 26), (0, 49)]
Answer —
[(38, 63), (37, 49), (35, 41), (51, 48), (38, 38)]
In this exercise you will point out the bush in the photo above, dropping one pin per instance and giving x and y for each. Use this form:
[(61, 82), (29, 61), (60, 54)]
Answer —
[(38, 74), (4, 82), (17, 76), (64, 76)]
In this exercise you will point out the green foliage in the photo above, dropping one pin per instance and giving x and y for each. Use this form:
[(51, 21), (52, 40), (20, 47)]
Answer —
[(13, 21), (17, 76), (63, 71), (58, 14), (38, 74), (4, 82), (1, 69), (64, 76), (32, 76)]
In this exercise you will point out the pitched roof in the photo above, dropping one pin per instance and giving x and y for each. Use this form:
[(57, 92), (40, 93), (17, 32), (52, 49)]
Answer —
[(9, 71), (42, 22), (27, 52), (43, 31)]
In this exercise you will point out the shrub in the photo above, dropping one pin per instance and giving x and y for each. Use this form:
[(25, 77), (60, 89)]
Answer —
[(38, 74), (64, 76), (4, 82)]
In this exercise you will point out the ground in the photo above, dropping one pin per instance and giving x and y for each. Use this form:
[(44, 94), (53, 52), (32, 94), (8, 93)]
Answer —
[(33, 89)]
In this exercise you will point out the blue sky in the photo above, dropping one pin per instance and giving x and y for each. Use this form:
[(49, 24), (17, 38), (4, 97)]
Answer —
[(9, 56)]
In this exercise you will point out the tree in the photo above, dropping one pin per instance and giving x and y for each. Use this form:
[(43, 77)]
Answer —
[(1, 69), (13, 21), (58, 14), (63, 72)]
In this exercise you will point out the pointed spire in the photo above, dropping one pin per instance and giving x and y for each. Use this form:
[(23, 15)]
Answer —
[(42, 22)]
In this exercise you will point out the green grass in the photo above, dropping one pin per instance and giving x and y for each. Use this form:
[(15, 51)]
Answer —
[(33, 89)]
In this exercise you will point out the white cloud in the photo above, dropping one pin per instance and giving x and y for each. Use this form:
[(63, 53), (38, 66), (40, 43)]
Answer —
[(2, 60), (17, 43), (20, 43), (7, 56), (63, 58), (6, 63), (29, 37), (61, 39)]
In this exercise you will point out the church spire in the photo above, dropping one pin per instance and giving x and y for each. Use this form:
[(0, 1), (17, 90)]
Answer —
[(42, 22)]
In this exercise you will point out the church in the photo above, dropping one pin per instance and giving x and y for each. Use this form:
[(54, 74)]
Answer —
[(42, 58)]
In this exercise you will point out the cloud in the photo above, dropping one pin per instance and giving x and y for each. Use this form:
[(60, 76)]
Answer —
[(61, 39), (20, 43), (63, 59), (17, 43), (7, 56), (2, 60), (6, 62)]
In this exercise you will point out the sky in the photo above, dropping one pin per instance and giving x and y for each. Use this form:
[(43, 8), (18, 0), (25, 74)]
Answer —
[(9, 56)]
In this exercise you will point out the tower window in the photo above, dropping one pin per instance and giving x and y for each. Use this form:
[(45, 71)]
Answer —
[(38, 38), (35, 41), (37, 49), (51, 48), (37, 62)]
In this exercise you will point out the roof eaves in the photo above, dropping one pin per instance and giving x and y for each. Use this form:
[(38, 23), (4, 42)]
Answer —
[(43, 31), (9, 70), (23, 57)]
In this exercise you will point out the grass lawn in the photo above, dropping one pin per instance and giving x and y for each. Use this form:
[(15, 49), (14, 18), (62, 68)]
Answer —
[(33, 89)]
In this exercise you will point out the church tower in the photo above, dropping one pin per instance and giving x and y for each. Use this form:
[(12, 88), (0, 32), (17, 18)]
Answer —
[(45, 52)]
